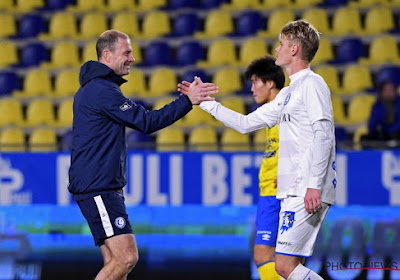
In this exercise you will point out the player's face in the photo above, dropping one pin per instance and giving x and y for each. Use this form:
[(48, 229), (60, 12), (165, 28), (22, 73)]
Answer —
[(261, 91), (284, 52), (122, 58)]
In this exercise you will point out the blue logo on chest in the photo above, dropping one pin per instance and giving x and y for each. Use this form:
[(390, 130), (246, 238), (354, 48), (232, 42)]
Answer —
[(287, 99)]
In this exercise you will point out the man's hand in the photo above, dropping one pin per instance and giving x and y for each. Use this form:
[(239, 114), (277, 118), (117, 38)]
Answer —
[(312, 201), (197, 91)]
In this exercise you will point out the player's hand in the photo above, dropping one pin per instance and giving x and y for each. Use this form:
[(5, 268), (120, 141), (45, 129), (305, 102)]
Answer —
[(312, 201), (197, 91)]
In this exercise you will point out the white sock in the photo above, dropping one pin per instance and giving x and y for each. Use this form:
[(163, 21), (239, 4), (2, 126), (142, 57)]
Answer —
[(303, 273)]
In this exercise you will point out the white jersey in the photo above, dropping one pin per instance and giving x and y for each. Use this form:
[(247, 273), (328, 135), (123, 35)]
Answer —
[(303, 162)]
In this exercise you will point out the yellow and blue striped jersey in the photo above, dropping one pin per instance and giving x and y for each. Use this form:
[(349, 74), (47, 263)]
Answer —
[(269, 167)]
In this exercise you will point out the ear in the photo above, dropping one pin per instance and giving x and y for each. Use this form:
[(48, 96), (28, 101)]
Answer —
[(106, 55), (270, 84), (295, 49)]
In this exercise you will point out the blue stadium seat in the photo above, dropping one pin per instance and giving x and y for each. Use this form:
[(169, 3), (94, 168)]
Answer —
[(178, 4), (341, 134), (190, 74), (186, 24), (248, 23), (333, 3), (189, 53), (350, 50), (55, 5), (9, 82), (33, 54), (211, 4), (389, 73), (158, 53), (31, 25)]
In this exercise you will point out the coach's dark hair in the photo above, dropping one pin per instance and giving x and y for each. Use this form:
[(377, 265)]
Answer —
[(107, 40), (266, 69)]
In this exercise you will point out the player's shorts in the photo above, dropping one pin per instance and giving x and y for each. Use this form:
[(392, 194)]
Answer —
[(298, 229), (267, 220), (106, 216)]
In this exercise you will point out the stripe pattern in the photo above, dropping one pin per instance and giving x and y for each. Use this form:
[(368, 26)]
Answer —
[(105, 218)]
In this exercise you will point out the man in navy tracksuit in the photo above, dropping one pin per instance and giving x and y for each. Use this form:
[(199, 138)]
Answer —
[(98, 157)]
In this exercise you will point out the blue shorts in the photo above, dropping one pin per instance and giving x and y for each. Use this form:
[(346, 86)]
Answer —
[(267, 220), (106, 215)]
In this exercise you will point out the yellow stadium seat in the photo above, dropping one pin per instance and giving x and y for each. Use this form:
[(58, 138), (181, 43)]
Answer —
[(234, 103), (8, 54), (324, 53), (233, 141), (155, 24), (136, 52), (276, 20), (87, 5), (356, 78), (240, 4), (40, 112), (197, 117), (319, 18), (136, 85), (362, 130), (64, 114), (339, 115), (161, 102), (382, 50), (162, 81), (302, 4), (220, 52), (346, 21), (203, 138), (11, 112), (146, 5), (228, 80), (331, 77), (217, 23), (92, 25), (251, 49), (359, 109), (121, 5), (9, 27), (126, 22), (12, 140), (61, 25), (43, 140), (260, 140), (379, 20), (66, 83), (24, 6), (63, 54), (89, 52), (7, 5), (272, 4), (37, 82), (170, 139)]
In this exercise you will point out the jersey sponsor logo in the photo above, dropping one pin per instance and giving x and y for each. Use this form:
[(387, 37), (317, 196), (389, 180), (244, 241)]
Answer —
[(285, 118), (269, 154), (288, 221), (125, 106), (287, 99), (120, 222)]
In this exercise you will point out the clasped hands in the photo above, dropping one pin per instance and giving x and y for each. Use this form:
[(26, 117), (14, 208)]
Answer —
[(197, 91)]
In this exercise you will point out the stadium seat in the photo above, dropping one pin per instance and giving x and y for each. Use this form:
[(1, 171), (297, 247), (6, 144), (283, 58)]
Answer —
[(333, 3), (383, 49), (89, 52), (31, 25), (185, 24), (350, 50), (346, 21), (43, 140), (62, 25), (217, 23), (36, 82), (359, 109), (276, 20), (126, 22), (302, 4), (190, 74), (56, 5), (158, 53), (325, 52), (233, 141), (8, 54), (24, 6), (66, 83), (64, 114), (379, 20), (8, 24), (147, 5), (210, 4), (198, 117), (40, 112), (228, 80), (136, 85), (87, 5), (179, 4), (240, 4), (156, 24), (356, 78), (220, 52), (63, 54), (12, 140), (162, 81), (251, 49), (11, 112), (319, 18), (339, 115), (170, 139), (331, 77), (386, 73), (203, 138), (137, 53), (272, 4), (234, 103), (33, 54), (7, 5), (189, 52), (341, 134), (121, 5), (249, 23), (9, 82), (92, 25)]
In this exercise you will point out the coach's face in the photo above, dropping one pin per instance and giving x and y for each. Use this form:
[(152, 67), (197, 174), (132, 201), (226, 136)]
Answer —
[(121, 58)]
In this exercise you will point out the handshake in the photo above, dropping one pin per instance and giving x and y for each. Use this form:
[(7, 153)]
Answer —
[(197, 91)]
